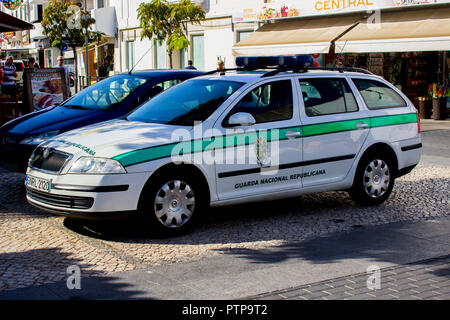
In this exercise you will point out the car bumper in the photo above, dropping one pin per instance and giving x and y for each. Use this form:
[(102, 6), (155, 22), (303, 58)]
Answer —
[(94, 197)]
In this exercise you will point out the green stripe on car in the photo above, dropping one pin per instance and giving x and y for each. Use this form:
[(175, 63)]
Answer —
[(201, 145)]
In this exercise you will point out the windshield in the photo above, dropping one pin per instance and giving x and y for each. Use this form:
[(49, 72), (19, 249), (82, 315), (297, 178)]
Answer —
[(193, 100), (106, 93)]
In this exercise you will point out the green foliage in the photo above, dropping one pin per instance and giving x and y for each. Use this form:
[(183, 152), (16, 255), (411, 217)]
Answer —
[(161, 21), (61, 24), (64, 23)]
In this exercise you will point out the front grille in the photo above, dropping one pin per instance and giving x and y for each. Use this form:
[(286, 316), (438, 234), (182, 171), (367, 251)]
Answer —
[(60, 200), (48, 159)]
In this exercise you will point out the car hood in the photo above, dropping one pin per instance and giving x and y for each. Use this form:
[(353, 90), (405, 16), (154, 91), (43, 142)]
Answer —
[(113, 138), (53, 118)]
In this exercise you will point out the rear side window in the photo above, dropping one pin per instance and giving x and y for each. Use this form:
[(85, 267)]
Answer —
[(378, 95), (322, 96), (270, 102)]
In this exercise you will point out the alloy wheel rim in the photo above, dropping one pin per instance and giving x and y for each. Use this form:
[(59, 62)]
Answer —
[(376, 178), (174, 204)]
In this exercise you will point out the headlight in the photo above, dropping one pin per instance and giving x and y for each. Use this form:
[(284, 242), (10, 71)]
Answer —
[(96, 166), (39, 138)]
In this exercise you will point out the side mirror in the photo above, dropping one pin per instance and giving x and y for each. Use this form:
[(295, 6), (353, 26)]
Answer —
[(241, 119)]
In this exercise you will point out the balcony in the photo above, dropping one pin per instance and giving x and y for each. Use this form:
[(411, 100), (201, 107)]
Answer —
[(36, 34), (105, 20)]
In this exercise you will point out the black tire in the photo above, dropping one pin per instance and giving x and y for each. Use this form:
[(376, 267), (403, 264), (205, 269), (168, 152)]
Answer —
[(369, 185), (174, 222)]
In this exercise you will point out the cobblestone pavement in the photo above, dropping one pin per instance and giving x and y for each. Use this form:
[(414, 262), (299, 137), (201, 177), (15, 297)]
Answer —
[(416, 281), (37, 248)]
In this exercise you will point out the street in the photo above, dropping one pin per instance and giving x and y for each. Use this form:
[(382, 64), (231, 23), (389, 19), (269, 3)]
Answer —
[(36, 248)]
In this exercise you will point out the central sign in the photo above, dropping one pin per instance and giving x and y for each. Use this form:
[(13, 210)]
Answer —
[(283, 9)]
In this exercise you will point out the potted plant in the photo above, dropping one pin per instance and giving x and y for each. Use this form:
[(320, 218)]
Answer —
[(425, 107), (439, 96)]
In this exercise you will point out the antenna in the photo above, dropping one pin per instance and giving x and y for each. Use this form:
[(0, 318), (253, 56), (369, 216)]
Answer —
[(129, 72)]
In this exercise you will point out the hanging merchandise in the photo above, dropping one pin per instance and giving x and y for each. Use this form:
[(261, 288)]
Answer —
[(437, 91), (12, 4)]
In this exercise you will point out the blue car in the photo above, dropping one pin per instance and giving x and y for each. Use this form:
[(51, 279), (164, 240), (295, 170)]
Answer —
[(111, 98)]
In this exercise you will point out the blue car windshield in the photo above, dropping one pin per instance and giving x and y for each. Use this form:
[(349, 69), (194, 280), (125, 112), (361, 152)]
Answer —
[(106, 93), (186, 103)]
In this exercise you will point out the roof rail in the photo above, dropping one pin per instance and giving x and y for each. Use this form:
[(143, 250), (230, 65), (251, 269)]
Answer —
[(303, 69), (341, 69), (298, 69)]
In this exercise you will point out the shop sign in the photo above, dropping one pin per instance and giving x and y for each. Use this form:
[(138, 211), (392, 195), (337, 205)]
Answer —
[(258, 10), (8, 35)]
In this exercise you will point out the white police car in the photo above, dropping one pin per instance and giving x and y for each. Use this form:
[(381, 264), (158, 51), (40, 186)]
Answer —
[(232, 137)]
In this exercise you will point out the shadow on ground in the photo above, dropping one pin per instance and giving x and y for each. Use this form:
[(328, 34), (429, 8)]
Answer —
[(43, 274)]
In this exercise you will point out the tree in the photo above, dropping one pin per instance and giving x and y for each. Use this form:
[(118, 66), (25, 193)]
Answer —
[(161, 21), (65, 24)]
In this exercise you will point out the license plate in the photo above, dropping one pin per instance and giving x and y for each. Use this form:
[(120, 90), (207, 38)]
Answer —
[(37, 183)]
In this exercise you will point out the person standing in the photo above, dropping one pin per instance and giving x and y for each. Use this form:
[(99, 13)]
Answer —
[(9, 75), (103, 70), (190, 66), (60, 64), (32, 64)]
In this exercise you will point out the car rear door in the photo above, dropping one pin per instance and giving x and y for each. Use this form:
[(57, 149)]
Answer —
[(334, 128)]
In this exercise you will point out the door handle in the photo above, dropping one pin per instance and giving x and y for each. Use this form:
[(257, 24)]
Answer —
[(362, 125), (292, 134)]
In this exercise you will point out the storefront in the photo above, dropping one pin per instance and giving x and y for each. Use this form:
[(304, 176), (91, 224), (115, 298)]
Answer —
[(406, 44)]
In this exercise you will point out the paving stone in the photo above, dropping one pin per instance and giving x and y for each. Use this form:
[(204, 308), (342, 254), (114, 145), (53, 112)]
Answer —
[(42, 246)]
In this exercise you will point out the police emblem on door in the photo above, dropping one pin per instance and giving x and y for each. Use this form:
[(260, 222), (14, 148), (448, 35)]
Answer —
[(261, 151)]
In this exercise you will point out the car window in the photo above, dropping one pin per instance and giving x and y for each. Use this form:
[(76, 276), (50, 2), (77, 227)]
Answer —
[(189, 102), (106, 93), (378, 95), (324, 96), (157, 88), (269, 102)]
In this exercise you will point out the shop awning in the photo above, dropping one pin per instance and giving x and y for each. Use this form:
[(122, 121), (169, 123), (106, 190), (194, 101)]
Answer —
[(424, 29), (9, 23), (401, 31), (295, 37)]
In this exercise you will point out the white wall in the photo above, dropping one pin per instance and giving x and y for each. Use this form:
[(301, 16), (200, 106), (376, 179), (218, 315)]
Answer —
[(218, 36), (218, 42)]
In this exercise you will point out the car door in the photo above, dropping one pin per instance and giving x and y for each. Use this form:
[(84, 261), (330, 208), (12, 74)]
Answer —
[(263, 157), (334, 129)]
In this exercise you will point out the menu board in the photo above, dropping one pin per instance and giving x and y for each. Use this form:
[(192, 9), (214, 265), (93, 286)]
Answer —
[(45, 87)]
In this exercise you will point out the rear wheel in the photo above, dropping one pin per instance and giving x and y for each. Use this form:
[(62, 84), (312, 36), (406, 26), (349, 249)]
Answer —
[(171, 204), (374, 180)]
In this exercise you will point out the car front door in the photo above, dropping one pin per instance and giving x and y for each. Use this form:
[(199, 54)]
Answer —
[(263, 157), (334, 129)]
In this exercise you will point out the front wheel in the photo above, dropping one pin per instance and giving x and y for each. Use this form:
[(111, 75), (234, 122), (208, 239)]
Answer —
[(170, 204), (374, 180)]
